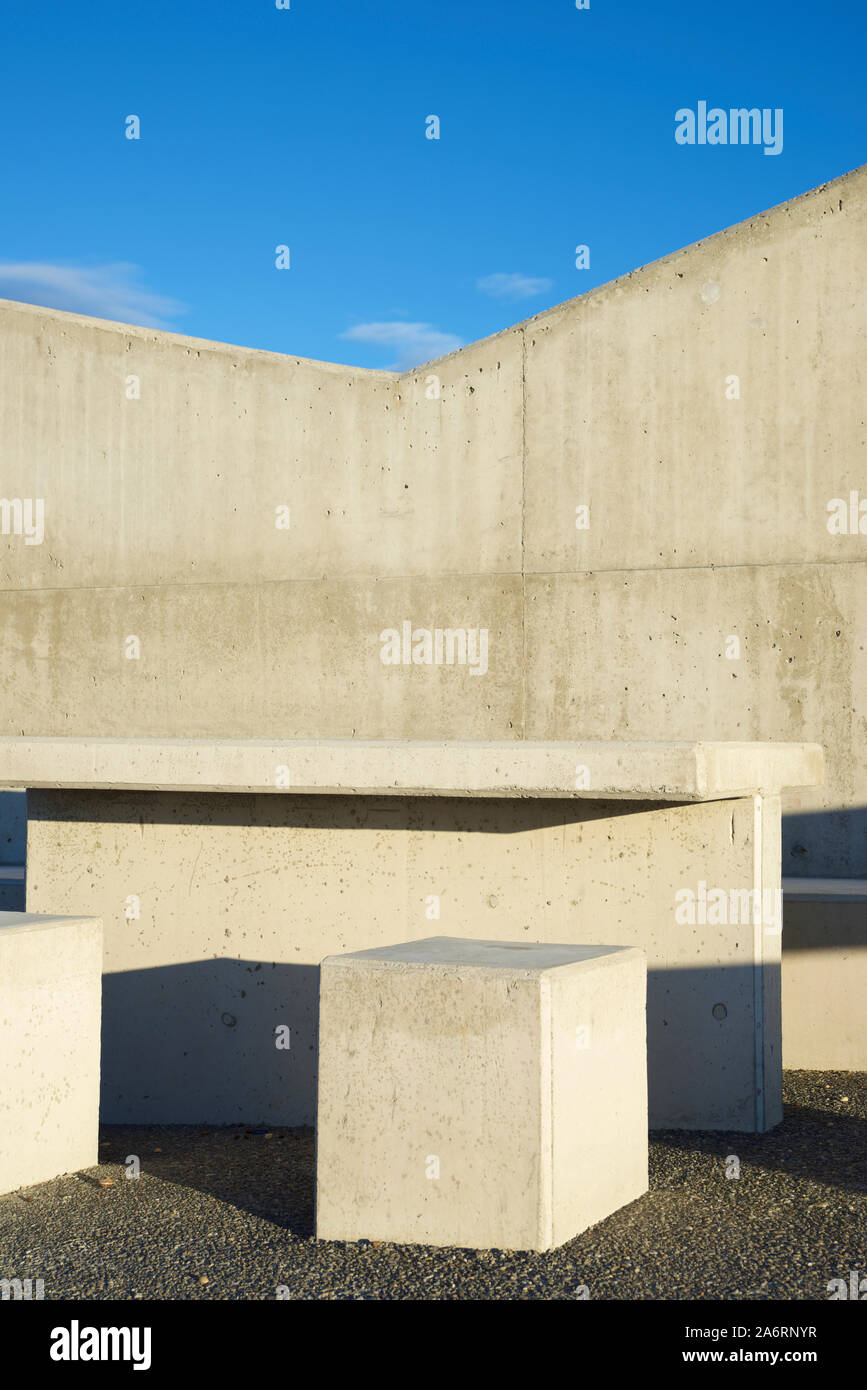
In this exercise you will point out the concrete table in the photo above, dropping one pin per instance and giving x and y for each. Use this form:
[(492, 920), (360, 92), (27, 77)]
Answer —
[(226, 870)]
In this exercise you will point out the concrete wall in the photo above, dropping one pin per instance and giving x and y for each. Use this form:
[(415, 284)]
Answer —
[(707, 520), (160, 524), (447, 497), (708, 515)]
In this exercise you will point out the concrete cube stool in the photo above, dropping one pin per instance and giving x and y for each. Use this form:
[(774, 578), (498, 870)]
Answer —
[(483, 1094), (50, 991)]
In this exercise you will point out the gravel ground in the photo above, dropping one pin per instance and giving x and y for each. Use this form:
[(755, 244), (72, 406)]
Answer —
[(228, 1214)]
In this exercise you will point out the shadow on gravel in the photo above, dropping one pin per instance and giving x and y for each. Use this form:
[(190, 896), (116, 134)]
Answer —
[(268, 1173), (818, 1145)]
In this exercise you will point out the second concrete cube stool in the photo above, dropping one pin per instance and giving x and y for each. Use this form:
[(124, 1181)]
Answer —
[(483, 1094), (50, 997)]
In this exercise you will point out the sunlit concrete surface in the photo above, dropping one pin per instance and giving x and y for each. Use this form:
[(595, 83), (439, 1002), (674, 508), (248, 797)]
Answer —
[(219, 907), (632, 771), (480, 1093), (446, 497), (50, 980), (643, 518), (824, 973)]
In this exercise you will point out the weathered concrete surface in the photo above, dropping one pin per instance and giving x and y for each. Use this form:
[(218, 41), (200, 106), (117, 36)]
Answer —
[(219, 908), (181, 486), (801, 673), (627, 771), (480, 1094), (282, 659), (627, 411), (50, 977), (447, 497)]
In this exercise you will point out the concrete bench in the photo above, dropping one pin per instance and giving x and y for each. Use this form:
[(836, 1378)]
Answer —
[(50, 977), (225, 870), (480, 1093), (824, 973)]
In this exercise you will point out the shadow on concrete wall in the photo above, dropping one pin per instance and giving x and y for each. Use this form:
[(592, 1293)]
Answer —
[(830, 844), (13, 827), (13, 893), (343, 811), (196, 1044)]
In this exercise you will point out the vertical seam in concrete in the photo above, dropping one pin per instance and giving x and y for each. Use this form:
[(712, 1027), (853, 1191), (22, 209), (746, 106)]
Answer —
[(523, 510), (758, 965)]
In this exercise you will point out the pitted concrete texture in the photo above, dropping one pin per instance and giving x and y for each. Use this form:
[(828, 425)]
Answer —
[(219, 908), (485, 1094), (706, 598), (632, 771), (50, 976), (627, 494)]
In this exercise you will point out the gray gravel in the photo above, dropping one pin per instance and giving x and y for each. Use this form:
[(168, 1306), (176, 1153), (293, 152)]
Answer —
[(228, 1214)]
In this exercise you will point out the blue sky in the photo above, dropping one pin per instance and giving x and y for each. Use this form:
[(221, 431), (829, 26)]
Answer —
[(306, 127)]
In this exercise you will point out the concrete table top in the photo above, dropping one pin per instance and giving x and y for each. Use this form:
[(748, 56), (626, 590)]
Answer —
[(593, 770), (517, 958)]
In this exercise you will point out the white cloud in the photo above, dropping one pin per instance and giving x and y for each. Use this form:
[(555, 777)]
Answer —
[(513, 286), (103, 291), (415, 342)]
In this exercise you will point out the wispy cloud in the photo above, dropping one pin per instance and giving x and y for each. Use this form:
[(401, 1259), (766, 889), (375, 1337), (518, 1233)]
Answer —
[(513, 286), (415, 342), (103, 291)]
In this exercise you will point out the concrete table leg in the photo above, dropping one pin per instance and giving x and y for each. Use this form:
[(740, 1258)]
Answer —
[(218, 908)]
